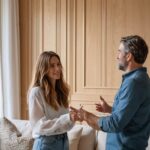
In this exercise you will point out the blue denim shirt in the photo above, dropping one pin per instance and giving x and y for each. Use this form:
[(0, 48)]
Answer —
[(128, 126)]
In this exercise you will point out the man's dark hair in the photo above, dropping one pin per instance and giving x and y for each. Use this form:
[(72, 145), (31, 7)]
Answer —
[(137, 46)]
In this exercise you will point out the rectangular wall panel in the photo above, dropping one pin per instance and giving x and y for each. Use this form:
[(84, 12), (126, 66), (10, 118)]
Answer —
[(86, 35)]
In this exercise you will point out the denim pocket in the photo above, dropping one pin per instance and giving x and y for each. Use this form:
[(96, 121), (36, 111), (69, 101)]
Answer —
[(49, 140), (54, 142)]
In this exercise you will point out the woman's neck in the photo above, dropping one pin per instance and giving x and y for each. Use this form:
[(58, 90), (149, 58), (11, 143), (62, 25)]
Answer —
[(53, 83)]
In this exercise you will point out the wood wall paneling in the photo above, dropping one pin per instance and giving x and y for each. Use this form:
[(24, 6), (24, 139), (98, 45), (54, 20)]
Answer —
[(42, 27), (129, 18), (86, 35), (93, 44), (89, 53), (24, 46)]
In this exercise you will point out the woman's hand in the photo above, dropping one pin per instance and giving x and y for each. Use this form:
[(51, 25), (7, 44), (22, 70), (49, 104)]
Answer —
[(76, 114), (73, 116)]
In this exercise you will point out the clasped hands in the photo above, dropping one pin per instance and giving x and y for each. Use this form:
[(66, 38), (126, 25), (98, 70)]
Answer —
[(83, 115), (77, 114)]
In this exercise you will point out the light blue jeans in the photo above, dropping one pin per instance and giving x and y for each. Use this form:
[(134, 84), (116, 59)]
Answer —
[(54, 142)]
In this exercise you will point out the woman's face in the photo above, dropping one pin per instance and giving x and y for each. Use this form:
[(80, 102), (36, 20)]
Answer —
[(55, 68)]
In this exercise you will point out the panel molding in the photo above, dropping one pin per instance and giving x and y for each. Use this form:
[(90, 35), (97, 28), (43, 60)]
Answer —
[(64, 26)]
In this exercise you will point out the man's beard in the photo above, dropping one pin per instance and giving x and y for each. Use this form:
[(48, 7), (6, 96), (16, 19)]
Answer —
[(123, 66)]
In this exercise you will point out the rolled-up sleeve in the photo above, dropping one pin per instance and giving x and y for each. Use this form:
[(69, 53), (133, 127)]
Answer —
[(129, 99)]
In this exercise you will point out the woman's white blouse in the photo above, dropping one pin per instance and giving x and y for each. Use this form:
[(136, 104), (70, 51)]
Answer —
[(43, 118)]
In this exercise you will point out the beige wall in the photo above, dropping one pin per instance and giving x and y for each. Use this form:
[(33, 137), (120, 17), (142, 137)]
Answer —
[(86, 34)]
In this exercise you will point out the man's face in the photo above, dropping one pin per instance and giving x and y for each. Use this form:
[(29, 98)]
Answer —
[(121, 57)]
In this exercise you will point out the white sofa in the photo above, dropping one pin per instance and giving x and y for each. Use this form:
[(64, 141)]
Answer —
[(81, 137)]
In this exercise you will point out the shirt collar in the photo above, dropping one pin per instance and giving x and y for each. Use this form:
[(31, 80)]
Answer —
[(144, 69)]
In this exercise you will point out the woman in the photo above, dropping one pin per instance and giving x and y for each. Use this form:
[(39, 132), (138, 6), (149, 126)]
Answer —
[(48, 104)]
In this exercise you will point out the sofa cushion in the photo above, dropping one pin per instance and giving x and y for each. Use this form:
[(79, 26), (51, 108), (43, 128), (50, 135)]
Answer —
[(74, 136), (23, 126), (88, 138), (11, 138), (101, 140), (7, 129), (20, 143)]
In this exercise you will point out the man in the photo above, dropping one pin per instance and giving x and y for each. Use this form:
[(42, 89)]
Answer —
[(128, 126)]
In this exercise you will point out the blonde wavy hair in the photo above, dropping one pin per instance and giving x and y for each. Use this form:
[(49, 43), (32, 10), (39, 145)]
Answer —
[(53, 96)]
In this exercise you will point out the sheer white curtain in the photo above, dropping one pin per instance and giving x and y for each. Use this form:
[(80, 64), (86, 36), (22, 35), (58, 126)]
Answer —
[(1, 96), (10, 59)]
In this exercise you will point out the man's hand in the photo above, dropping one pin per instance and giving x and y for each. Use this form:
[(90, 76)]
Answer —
[(103, 106)]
